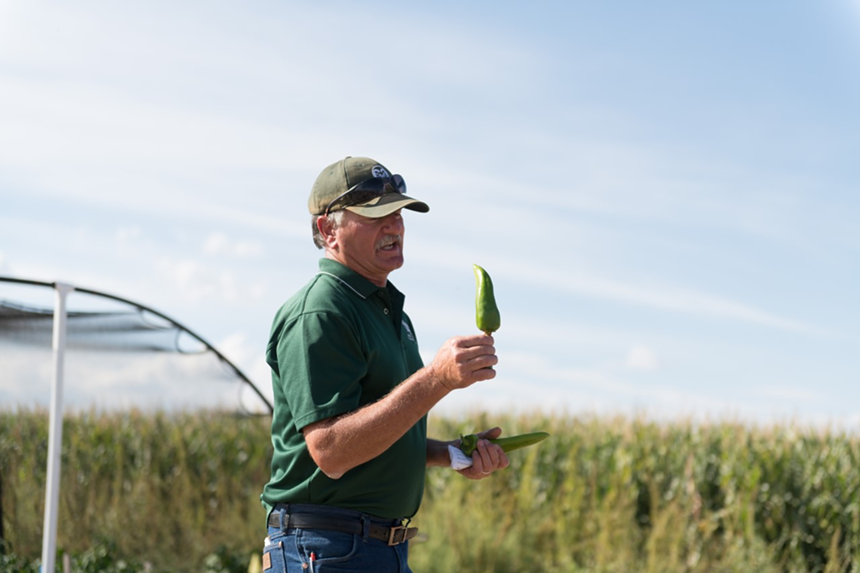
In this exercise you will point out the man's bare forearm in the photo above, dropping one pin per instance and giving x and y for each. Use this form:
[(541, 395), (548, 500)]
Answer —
[(437, 453), (341, 443)]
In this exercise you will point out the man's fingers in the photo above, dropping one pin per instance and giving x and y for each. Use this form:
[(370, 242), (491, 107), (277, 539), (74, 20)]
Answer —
[(483, 374), (475, 341), (486, 361), (490, 454), (478, 361), (464, 360), (485, 453), (491, 434), (487, 458), (473, 352), (479, 353)]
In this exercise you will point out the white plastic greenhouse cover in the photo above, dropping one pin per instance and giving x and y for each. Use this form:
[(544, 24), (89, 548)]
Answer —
[(105, 351)]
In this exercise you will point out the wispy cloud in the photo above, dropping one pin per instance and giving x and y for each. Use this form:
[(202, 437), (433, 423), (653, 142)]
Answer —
[(195, 281), (221, 244), (239, 349), (66, 122), (642, 358), (790, 394), (625, 229), (664, 296)]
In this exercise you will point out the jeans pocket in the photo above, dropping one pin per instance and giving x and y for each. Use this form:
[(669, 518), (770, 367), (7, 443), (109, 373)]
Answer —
[(274, 558), (329, 547)]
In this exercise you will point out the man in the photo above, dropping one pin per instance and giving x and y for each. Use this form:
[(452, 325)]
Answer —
[(351, 391)]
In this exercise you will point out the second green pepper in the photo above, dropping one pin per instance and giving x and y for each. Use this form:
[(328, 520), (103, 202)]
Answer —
[(508, 444)]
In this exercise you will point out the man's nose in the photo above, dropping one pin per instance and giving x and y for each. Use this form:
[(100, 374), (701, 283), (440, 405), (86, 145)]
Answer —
[(393, 223)]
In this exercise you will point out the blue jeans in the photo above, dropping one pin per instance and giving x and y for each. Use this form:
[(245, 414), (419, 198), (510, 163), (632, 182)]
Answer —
[(290, 550)]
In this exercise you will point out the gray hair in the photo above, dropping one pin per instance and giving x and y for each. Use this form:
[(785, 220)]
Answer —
[(336, 217)]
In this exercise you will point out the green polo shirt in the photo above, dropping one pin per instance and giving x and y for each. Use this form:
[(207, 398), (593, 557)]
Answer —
[(338, 344)]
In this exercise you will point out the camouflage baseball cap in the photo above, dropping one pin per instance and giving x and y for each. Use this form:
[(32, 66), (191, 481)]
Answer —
[(363, 186)]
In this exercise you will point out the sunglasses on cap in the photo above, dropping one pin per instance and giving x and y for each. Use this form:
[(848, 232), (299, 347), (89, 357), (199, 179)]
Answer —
[(367, 190)]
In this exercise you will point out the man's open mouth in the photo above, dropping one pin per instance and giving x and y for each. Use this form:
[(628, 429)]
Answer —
[(389, 243)]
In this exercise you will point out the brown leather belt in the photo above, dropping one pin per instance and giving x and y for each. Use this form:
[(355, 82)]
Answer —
[(392, 535)]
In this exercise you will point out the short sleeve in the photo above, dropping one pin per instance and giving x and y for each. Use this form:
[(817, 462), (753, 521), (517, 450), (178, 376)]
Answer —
[(322, 363)]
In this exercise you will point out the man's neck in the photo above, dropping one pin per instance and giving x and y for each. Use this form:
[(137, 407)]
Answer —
[(382, 283)]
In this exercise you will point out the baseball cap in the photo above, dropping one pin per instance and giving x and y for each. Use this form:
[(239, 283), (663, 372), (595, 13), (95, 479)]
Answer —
[(350, 175)]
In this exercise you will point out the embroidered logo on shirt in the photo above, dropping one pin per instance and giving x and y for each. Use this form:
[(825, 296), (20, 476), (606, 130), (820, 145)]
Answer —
[(409, 334)]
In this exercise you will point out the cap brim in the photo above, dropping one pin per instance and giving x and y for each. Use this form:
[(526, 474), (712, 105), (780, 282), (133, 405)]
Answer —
[(387, 204)]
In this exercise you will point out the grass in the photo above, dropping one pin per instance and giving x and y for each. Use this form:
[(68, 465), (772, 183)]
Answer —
[(601, 494)]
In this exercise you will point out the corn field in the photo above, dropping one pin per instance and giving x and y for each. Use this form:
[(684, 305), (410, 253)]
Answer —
[(602, 494)]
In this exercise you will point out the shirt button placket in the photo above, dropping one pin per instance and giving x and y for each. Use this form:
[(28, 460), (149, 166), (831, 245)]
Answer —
[(382, 296)]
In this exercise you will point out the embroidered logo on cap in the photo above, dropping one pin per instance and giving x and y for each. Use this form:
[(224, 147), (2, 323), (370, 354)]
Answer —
[(379, 171)]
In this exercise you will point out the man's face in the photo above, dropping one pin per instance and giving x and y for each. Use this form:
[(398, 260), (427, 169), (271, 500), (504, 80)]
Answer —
[(371, 247)]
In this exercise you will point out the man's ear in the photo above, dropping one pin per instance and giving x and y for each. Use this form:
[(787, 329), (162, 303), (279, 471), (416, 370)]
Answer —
[(326, 228)]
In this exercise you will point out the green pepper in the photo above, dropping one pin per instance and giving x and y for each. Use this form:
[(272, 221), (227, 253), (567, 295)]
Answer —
[(486, 312), (509, 444)]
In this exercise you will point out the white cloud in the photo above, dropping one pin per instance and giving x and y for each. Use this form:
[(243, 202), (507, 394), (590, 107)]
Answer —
[(129, 241), (642, 358), (236, 348), (665, 296), (116, 379), (789, 394), (196, 282), (249, 359), (126, 235), (89, 125), (221, 244), (225, 129)]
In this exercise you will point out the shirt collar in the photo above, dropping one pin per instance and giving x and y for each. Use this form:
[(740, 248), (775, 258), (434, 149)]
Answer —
[(352, 279)]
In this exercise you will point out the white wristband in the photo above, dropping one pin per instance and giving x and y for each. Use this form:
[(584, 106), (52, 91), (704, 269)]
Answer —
[(459, 460)]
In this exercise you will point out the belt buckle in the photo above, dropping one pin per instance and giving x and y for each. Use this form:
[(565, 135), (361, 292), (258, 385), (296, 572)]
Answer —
[(392, 535)]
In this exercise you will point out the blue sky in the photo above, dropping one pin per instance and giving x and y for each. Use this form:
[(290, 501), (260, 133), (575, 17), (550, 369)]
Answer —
[(664, 193)]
